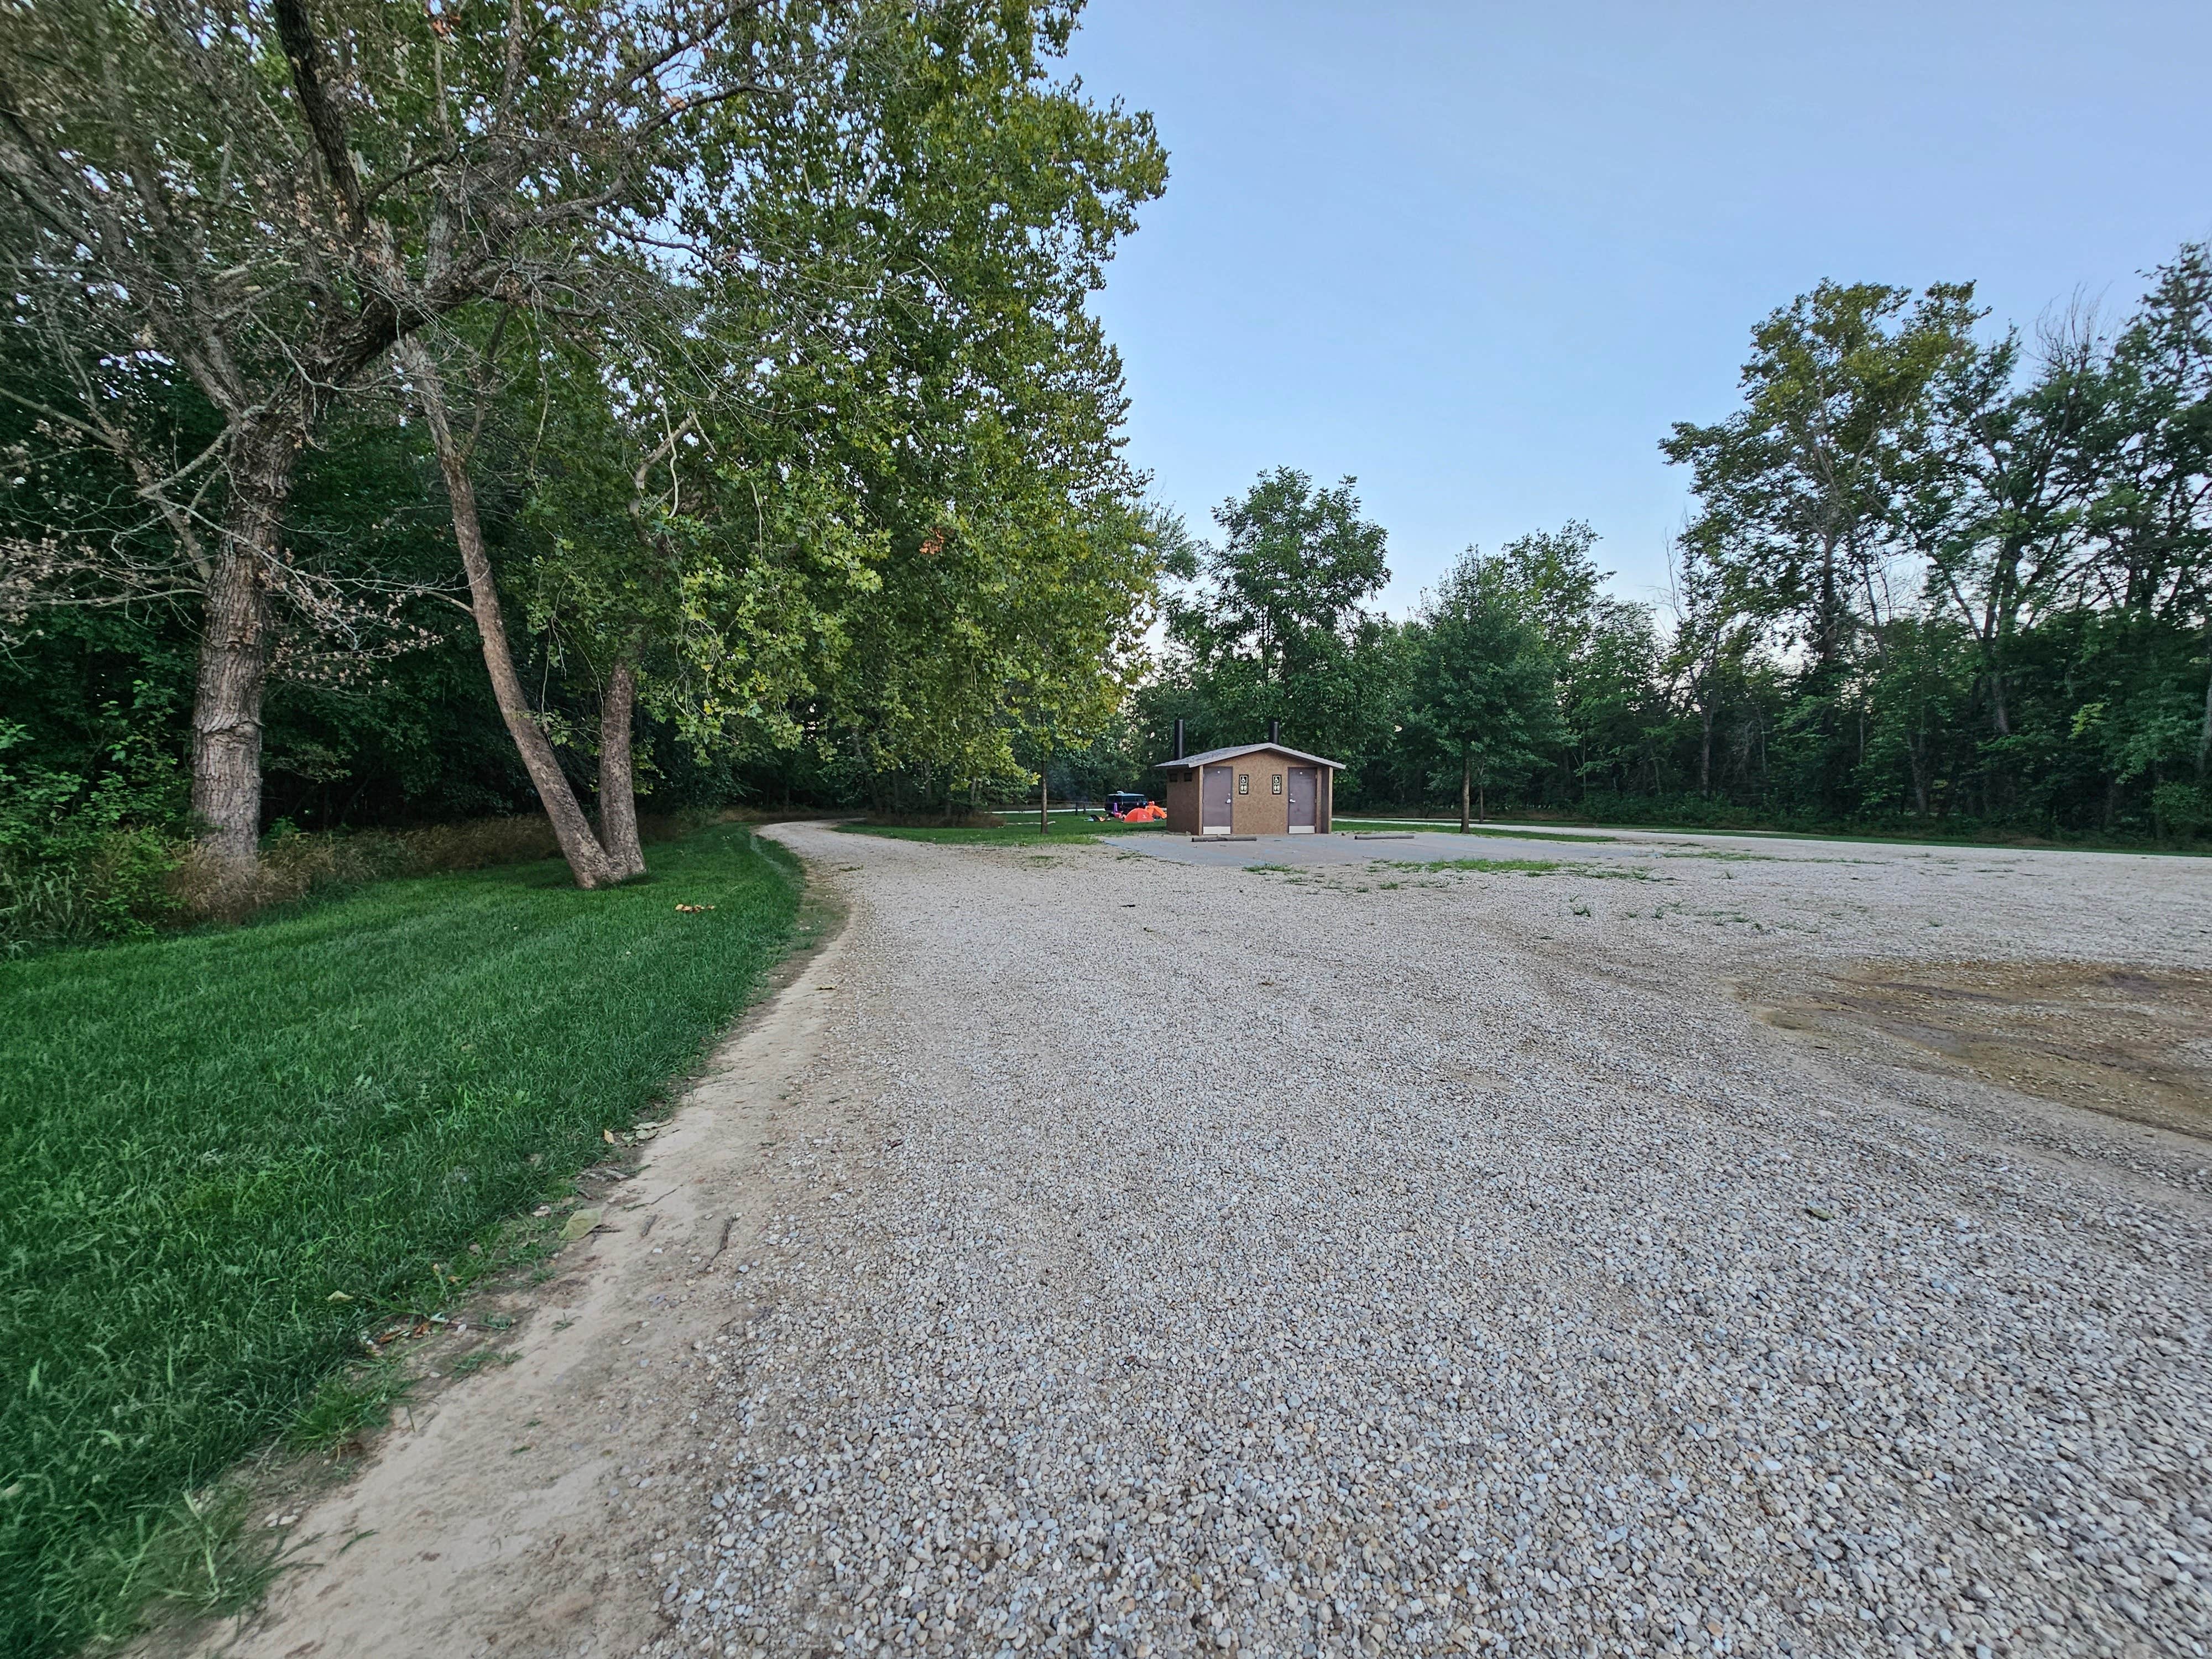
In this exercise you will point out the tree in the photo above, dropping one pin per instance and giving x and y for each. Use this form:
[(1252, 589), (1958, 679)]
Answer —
[(2150, 519), (1996, 508), (1713, 639), (1485, 689), (1604, 648), (1272, 623), (1294, 566), (945, 390), (268, 198), (1799, 489)]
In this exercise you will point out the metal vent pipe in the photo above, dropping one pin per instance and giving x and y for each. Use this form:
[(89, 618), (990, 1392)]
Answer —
[(1274, 730), (1178, 742)]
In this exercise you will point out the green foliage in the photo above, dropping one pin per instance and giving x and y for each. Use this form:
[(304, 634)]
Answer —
[(1803, 486), (1273, 625), (835, 469), (1932, 588), (951, 405), (86, 854), (1486, 692), (204, 1137)]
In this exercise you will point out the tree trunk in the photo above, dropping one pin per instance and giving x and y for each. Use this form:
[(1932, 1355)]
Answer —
[(618, 776), (1466, 783), (1044, 793), (1705, 752), (587, 860), (2204, 735), (1481, 795), (234, 659)]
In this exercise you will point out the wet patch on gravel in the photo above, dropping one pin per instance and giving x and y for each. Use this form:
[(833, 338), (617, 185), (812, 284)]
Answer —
[(2127, 1042)]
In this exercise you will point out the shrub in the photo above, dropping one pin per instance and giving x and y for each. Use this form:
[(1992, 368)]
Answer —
[(85, 857)]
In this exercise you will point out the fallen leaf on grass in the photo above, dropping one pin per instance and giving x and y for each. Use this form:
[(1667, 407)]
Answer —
[(578, 1224), (337, 1296)]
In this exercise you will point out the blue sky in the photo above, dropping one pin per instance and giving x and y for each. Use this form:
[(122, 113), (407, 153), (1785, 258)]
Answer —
[(1481, 256)]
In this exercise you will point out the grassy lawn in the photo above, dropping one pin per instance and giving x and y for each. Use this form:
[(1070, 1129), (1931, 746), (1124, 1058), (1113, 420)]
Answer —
[(205, 1139)]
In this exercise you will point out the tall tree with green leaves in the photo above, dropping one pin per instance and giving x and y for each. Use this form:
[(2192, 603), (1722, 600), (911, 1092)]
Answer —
[(1272, 622), (1799, 489), (951, 389), (1713, 640), (1485, 687), (1604, 649), (1997, 510)]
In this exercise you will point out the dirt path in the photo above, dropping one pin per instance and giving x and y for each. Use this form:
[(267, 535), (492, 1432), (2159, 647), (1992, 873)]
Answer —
[(1138, 1257), (502, 1515)]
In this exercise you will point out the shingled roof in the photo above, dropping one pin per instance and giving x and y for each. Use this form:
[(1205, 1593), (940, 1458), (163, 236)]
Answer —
[(1212, 755)]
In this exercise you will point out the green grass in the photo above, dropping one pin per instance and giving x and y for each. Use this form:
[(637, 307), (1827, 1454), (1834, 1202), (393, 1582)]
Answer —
[(206, 1139)]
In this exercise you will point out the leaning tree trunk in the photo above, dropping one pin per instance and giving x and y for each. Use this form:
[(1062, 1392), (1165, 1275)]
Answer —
[(587, 861), (1466, 784), (234, 658), (617, 775)]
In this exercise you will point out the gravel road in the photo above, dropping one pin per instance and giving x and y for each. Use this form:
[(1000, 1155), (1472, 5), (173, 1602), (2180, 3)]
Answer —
[(1169, 1259)]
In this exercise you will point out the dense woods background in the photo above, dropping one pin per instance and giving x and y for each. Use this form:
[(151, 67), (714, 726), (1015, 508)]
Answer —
[(781, 468), (1942, 578)]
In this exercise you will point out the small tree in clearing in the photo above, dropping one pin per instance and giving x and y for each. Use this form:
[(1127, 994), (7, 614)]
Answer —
[(1485, 687)]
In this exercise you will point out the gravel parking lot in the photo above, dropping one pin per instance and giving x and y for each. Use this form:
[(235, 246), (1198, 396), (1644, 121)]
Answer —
[(1653, 1256)]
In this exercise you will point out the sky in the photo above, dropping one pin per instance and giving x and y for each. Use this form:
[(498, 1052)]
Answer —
[(1481, 257)]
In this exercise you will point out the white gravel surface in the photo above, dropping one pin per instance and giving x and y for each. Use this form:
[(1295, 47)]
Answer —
[(1172, 1259)]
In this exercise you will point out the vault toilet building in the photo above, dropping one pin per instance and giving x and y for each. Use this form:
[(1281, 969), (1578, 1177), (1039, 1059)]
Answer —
[(1254, 789)]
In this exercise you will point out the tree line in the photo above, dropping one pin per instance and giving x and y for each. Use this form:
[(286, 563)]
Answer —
[(418, 415), (1936, 578), (412, 412)]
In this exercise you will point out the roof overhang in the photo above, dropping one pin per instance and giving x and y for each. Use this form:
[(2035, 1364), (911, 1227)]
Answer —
[(1216, 756)]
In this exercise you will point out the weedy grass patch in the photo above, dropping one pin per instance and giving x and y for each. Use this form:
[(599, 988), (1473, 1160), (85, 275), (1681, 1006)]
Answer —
[(1481, 866), (228, 1156)]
